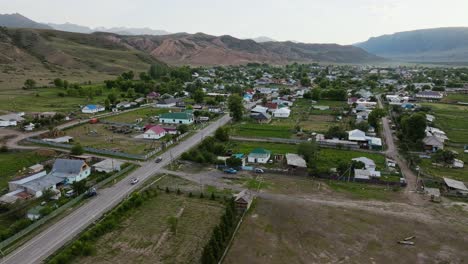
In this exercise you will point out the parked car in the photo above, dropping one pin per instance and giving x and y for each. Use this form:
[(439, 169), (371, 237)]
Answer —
[(91, 192), (258, 170), (70, 193), (158, 159), (134, 181), (230, 171)]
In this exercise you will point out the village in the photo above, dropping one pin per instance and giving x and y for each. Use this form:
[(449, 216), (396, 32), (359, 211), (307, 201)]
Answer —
[(251, 131)]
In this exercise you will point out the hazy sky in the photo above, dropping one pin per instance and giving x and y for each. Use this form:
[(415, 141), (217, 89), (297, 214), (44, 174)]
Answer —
[(317, 21)]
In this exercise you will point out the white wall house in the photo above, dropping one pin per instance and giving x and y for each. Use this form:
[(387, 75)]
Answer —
[(282, 113), (176, 118), (154, 132), (10, 120), (92, 109), (259, 155)]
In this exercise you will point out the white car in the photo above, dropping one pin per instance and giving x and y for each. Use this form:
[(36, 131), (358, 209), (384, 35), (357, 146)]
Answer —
[(134, 181)]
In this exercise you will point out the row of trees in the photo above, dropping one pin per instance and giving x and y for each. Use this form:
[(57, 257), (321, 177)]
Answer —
[(222, 233)]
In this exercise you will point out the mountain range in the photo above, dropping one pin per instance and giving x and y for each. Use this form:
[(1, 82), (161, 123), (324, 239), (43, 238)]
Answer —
[(438, 45)]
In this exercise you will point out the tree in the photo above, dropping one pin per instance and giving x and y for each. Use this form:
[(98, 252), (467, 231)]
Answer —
[(445, 156), (236, 107), (3, 149), (198, 96), (173, 221), (336, 132), (107, 103), (157, 71), (112, 98), (130, 93), (77, 149), (413, 127), (222, 134), (375, 116), (145, 77), (79, 186), (305, 81), (183, 129), (58, 82), (308, 150), (128, 75), (233, 162), (29, 84)]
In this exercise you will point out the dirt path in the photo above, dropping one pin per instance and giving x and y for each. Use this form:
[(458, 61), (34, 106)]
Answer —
[(392, 152)]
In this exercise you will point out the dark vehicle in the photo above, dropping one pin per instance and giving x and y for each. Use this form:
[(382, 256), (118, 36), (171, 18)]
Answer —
[(134, 181), (230, 171), (158, 159), (258, 170), (91, 192)]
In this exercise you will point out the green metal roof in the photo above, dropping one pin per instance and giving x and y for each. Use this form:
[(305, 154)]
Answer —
[(260, 151), (179, 115)]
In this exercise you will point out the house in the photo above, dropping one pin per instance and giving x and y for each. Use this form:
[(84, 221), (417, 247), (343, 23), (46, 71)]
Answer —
[(215, 109), (433, 143), (458, 163), (29, 127), (259, 109), (271, 106), (455, 187), (154, 132), (352, 100), (92, 109), (432, 131), (366, 174), (152, 95), (357, 135), (368, 163), (176, 118), (36, 168), (167, 103), (70, 170), (108, 165), (284, 102), (10, 120), (263, 118), (295, 161), (64, 139), (429, 95), (282, 113), (259, 155), (123, 105), (243, 200), (430, 118)]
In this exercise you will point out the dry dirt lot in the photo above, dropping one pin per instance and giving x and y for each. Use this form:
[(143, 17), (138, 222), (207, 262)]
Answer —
[(288, 231)]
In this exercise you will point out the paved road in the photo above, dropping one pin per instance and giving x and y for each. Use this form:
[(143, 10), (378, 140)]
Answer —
[(392, 152), (51, 239)]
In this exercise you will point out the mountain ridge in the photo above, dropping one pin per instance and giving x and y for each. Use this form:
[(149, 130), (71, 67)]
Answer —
[(446, 44)]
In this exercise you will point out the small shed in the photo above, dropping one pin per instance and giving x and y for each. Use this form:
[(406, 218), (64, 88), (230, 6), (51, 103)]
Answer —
[(455, 187), (108, 165), (243, 200)]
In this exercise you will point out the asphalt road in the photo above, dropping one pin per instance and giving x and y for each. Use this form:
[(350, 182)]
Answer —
[(50, 240)]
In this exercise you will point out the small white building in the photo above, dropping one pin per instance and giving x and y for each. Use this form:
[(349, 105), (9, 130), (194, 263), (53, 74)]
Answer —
[(108, 165), (10, 120), (92, 109), (176, 118), (259, 155), (458, 163), (366, 174), (369, 164), (282, 113), (155, 132)]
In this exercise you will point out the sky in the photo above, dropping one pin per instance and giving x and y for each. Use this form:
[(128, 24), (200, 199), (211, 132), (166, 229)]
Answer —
[(311, 21)]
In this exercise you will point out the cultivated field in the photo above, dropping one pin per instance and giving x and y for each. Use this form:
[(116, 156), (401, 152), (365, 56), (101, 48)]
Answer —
[(297, 231), (452, 119), (146, 237)]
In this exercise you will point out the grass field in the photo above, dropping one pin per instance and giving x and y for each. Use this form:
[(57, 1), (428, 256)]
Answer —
[(452, 119), (275, 148), (132, 116), (261, 130), (45, 99), (329, 158), (11, 163), (287, 231), (97, 136), (454, 98), (145, 237)]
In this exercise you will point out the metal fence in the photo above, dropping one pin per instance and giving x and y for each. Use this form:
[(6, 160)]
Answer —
[(7, 242)]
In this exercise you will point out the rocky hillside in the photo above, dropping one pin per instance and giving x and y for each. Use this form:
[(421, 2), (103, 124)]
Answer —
[(202, 49), (20, 21)]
